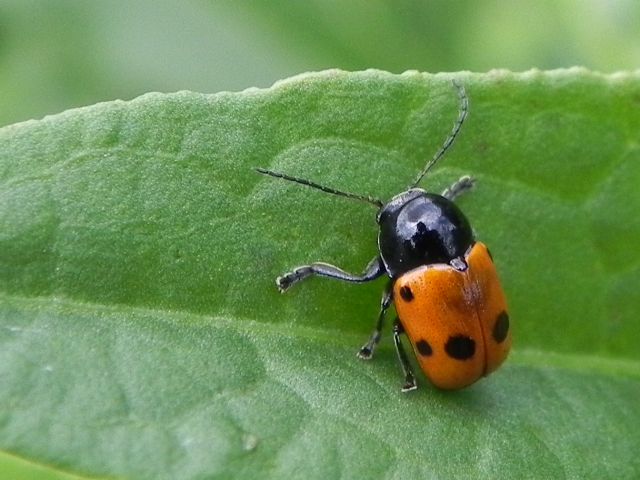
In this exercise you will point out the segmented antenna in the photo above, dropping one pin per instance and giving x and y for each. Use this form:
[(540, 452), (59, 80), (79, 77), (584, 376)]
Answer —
[(464, 108), (333, 191)]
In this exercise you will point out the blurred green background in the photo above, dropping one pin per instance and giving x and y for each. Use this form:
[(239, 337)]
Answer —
[(58, 54)]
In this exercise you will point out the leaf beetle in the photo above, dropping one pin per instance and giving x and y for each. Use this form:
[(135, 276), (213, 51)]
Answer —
[(442, 281)]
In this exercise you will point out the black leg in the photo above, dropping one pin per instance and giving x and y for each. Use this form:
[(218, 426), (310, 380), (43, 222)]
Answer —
[(462, 185), (374, 269), (366, 352), (409, 379)]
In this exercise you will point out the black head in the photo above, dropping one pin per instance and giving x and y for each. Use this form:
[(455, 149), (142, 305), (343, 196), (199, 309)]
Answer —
[(416, 227), (420, 228)]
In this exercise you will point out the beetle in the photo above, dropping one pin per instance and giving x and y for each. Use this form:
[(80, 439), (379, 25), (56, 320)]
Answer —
[(442, 281)]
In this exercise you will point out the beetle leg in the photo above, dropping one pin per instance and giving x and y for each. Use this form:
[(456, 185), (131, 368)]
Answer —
[(460, 186), (366, 352), (374, 269), (409, 379)]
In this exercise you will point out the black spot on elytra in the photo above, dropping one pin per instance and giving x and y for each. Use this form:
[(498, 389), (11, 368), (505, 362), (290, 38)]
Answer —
[(406, 293), (424, 348), (501, 327), (460, 347)]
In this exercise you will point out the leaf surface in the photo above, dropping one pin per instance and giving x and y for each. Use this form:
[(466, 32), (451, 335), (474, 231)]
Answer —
[(141, 334)]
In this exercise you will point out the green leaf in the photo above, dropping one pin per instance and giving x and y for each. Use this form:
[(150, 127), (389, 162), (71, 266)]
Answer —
[(141, 334)]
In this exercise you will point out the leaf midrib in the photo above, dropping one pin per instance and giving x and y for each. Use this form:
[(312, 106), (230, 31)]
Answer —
[(532, 357)]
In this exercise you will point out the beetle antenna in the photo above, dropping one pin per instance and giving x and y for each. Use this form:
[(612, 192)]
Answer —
[(308, 183), (464, 109)]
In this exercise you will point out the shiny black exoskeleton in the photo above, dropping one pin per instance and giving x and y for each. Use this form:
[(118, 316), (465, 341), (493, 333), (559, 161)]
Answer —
[(419, 228)]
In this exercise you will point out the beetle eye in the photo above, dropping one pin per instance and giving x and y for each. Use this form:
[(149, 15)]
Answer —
[(383, 214)]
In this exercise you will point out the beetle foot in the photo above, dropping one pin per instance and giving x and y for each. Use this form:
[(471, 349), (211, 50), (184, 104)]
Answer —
[(409, 384), (365, 353), (284, 282)]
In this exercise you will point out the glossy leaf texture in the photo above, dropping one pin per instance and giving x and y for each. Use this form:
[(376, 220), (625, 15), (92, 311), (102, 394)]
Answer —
[(142, 336)]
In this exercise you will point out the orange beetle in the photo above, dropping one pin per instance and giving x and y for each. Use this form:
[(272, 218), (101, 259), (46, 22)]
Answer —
[(443, 282), (467, 332)]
